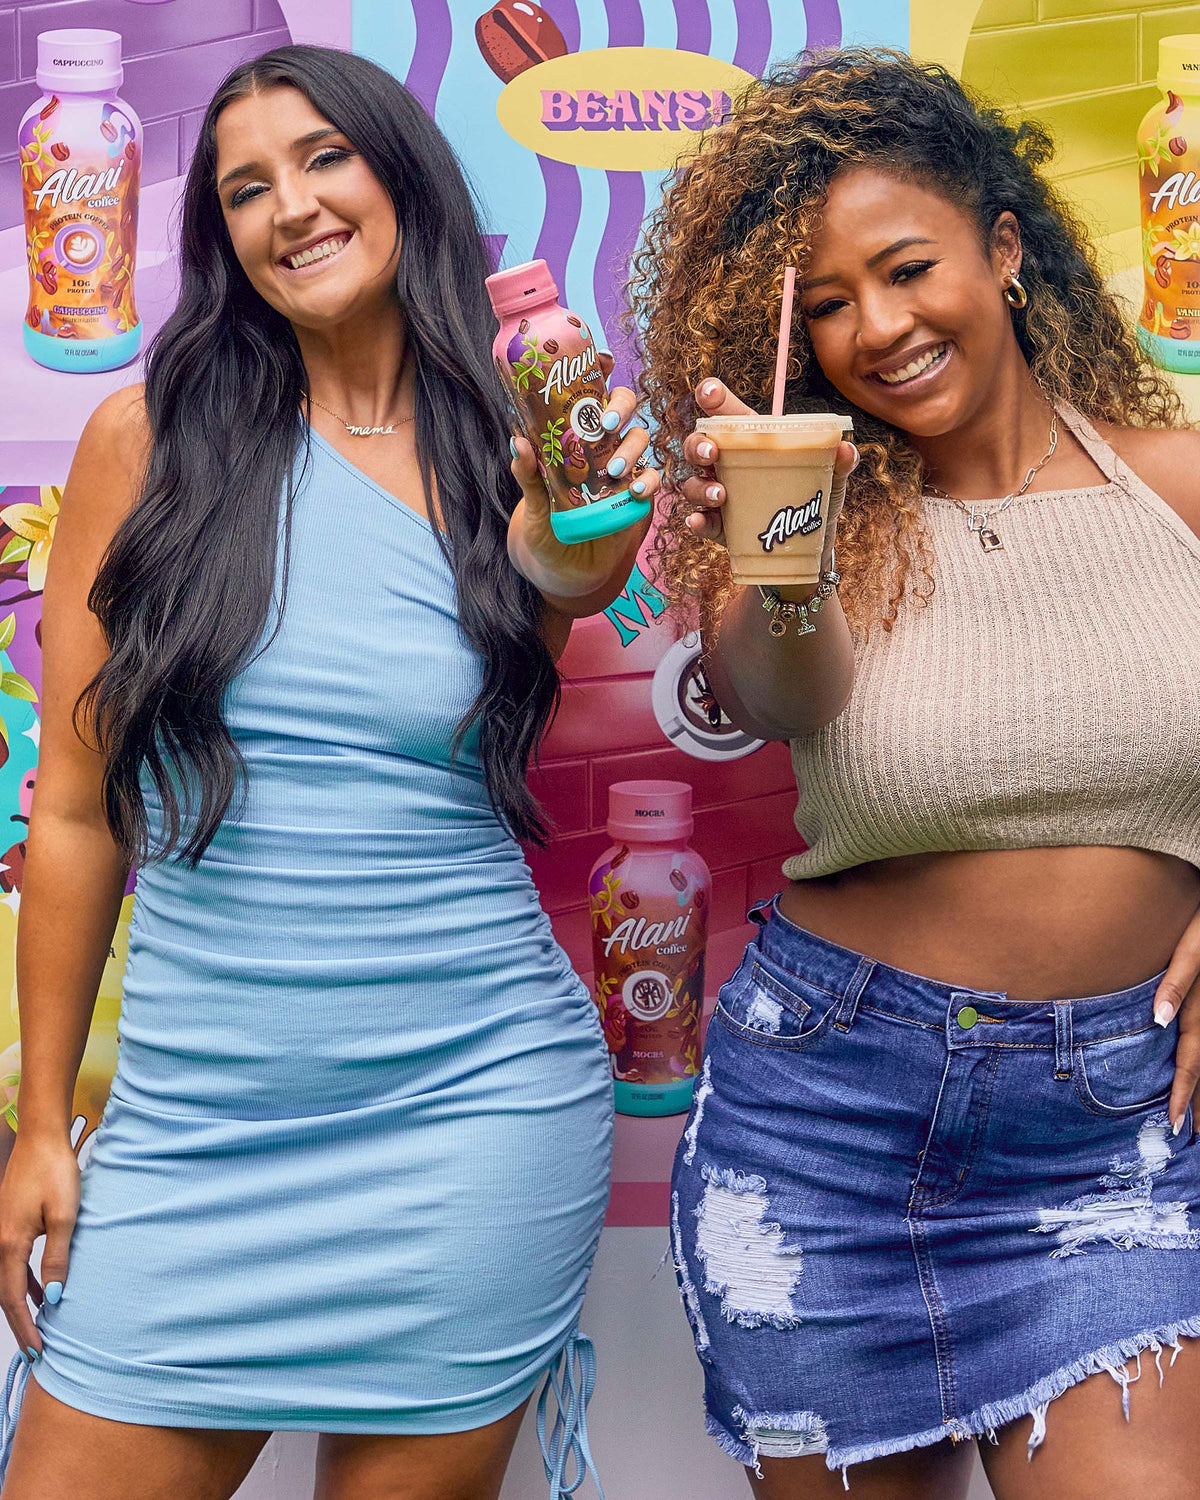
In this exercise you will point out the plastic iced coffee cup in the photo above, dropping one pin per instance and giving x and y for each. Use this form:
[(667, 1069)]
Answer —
[(777, 473)]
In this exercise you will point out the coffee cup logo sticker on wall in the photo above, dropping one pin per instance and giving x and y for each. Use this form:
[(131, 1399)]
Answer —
[(687, 710)]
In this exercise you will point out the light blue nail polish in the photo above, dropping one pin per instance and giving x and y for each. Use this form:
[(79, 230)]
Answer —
[(610, 421), (638, 487), (512, 447), (25, 1359), (34, 1354), (53, 1292), (616, 467)]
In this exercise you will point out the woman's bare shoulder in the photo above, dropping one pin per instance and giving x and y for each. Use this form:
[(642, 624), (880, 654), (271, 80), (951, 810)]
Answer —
[(1167, 459), (110, 458)]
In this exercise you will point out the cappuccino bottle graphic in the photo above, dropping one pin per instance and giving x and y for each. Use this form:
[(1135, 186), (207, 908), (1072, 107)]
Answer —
[(546, 357), (649, 899), (1168, 151), (81, 155)]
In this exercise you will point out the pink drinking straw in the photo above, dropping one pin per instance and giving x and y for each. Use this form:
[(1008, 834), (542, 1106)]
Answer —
[(785, 339)]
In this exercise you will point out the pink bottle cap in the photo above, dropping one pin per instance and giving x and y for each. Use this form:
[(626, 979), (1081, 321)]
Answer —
[(655, 811), (522, 286), (79, 61)]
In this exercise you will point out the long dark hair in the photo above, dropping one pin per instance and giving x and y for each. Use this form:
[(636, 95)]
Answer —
[(185, 589)]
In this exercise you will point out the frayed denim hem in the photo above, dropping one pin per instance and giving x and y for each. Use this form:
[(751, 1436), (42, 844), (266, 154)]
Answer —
[(741, 1451), (1034, 1401)]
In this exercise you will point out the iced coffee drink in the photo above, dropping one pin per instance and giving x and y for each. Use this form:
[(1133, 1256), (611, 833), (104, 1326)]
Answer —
[(777, 473)]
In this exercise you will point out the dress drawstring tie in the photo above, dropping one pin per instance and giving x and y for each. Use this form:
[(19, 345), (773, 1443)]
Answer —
[(14, 1394), (572, 1378)]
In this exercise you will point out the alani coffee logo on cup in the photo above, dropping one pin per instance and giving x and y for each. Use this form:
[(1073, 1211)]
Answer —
[(793, 520)]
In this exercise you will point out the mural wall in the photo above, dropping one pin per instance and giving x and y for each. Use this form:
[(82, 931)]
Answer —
[(567, 116)]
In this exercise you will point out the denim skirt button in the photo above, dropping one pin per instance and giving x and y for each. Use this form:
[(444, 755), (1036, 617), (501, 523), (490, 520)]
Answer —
[(967, 1017)]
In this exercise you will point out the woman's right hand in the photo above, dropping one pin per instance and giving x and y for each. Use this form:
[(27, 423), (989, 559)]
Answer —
[(39, 1195), (706, 492)]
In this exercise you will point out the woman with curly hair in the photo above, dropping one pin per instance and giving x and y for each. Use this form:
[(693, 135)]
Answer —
[(940, 1181)]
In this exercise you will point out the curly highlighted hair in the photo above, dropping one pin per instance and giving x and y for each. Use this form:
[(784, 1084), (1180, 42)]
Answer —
[(707, 283)]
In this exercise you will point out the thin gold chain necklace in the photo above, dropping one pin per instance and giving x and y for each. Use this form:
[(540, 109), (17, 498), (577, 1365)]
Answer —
[(354, 429), (979, 517)]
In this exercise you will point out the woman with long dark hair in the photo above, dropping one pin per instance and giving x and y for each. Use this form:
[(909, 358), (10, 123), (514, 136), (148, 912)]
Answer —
[(941, 1181), (300, 639)]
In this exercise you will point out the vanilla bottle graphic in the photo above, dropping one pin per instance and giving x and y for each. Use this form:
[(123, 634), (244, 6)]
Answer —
[(649, 901), (1168, 150), (81, 154)]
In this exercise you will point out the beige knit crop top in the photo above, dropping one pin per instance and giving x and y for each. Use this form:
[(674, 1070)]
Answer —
[(1048, 694)]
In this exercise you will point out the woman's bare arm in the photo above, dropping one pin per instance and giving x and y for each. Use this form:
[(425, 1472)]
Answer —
[(74, 872), (774, 687)]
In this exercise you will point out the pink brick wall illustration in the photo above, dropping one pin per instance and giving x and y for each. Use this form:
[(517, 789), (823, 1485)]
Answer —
[(175, 55), (607, 732)]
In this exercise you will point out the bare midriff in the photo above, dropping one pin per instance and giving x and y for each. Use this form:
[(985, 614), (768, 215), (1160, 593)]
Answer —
[(1038, 924)]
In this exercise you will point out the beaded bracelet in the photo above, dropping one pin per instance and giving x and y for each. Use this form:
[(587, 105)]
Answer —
[(782, 610)]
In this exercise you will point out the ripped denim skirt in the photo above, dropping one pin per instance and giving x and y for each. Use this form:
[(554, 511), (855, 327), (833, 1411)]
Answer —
[(904, 1211)]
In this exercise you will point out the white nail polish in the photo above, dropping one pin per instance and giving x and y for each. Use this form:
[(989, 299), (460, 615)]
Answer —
[(706, 451), (1163, 1014), (1178, 1126)]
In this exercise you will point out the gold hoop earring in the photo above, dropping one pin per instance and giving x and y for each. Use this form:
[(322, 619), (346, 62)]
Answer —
[(1014, 293)]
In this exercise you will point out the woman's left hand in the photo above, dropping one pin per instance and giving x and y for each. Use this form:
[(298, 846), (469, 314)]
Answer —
[(566, 572), (1178, 993)]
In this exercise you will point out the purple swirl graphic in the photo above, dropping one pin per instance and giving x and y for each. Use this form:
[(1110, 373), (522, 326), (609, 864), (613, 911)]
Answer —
[(754, 33), (694, 26), (626, 206), (564, 191), (626, 28), (431, 54), (823, 23), (566, 18)]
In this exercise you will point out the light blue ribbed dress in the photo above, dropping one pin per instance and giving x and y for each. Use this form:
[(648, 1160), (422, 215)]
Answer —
[(355, 1163)]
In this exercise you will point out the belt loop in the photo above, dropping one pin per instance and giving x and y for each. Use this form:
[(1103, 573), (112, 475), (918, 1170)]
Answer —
[(1064, 1043), (848, 1004), (761, 912)]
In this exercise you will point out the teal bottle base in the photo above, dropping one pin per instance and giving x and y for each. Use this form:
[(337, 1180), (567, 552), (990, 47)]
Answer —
[(82, 355), (602, 518), (653, 1098), (1180, 356)]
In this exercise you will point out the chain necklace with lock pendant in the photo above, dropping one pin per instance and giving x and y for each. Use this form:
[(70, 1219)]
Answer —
[(979, 517)]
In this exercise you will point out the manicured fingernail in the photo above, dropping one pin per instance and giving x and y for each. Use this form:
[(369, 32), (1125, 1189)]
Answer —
[(610, 421), (53, 1292), (1163, 1013), (713, 493), (25, 1359), (512, 447), (638, 487), (34, 1354), (710, 388), (616, 467), (1178, 1126), (705, 451)]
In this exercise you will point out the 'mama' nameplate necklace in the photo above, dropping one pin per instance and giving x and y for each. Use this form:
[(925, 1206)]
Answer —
[(980, 517), (356, 431)]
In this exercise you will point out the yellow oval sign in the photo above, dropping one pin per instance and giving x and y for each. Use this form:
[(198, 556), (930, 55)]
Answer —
[(626, 109)]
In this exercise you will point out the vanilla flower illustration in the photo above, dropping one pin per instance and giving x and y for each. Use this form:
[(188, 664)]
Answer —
[(35, 525), (1186, 243), (604, 900), (34, 156)]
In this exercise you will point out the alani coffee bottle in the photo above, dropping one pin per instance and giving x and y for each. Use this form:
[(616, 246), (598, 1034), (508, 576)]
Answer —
[(649, 899), (81, 156), (546, 356)]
